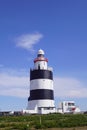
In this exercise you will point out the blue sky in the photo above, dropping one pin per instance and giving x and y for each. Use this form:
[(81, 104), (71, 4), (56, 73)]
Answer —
[(59, 27)]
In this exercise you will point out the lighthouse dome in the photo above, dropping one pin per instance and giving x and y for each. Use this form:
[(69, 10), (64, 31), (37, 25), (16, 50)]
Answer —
[(41, 52)]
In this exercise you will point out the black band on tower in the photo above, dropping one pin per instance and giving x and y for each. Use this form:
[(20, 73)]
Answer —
[(41, 74), (41, 94)]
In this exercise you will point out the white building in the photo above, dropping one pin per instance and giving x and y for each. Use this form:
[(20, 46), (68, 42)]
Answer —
[(41, 99), (68, 107)]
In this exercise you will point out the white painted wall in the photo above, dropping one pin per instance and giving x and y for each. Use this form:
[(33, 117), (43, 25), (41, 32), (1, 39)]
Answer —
[(41, 84), (42, 64), (40, 103)]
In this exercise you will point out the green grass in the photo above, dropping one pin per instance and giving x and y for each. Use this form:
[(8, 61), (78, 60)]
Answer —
[(27, 122)]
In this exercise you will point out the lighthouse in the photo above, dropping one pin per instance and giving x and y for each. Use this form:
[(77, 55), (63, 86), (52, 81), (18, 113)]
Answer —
[(41, 99)]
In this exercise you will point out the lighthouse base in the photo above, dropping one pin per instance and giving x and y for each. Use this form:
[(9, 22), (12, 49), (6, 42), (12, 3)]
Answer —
[(41, 107), (40, 110)]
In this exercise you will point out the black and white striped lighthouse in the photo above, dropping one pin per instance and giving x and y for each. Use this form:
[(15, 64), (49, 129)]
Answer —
[(41, 99)]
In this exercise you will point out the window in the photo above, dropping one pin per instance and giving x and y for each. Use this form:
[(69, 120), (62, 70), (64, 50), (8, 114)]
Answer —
[(71, 104)]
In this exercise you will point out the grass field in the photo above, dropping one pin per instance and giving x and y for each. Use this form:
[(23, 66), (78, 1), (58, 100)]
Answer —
[(44, 122)]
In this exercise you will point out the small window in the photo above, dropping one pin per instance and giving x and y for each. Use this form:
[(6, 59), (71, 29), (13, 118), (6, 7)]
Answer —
[(39, 108)]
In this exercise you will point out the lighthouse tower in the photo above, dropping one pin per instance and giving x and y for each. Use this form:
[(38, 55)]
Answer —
[(41, 99)]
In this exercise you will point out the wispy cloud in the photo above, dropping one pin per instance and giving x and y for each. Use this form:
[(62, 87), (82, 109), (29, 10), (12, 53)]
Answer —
[(27, 41), (69, 87), (14, 84)]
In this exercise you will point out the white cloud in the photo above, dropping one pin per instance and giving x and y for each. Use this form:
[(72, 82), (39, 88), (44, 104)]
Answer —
[(69, 87), (14, 85), (6, 79), (18, 85), (27, 41)]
